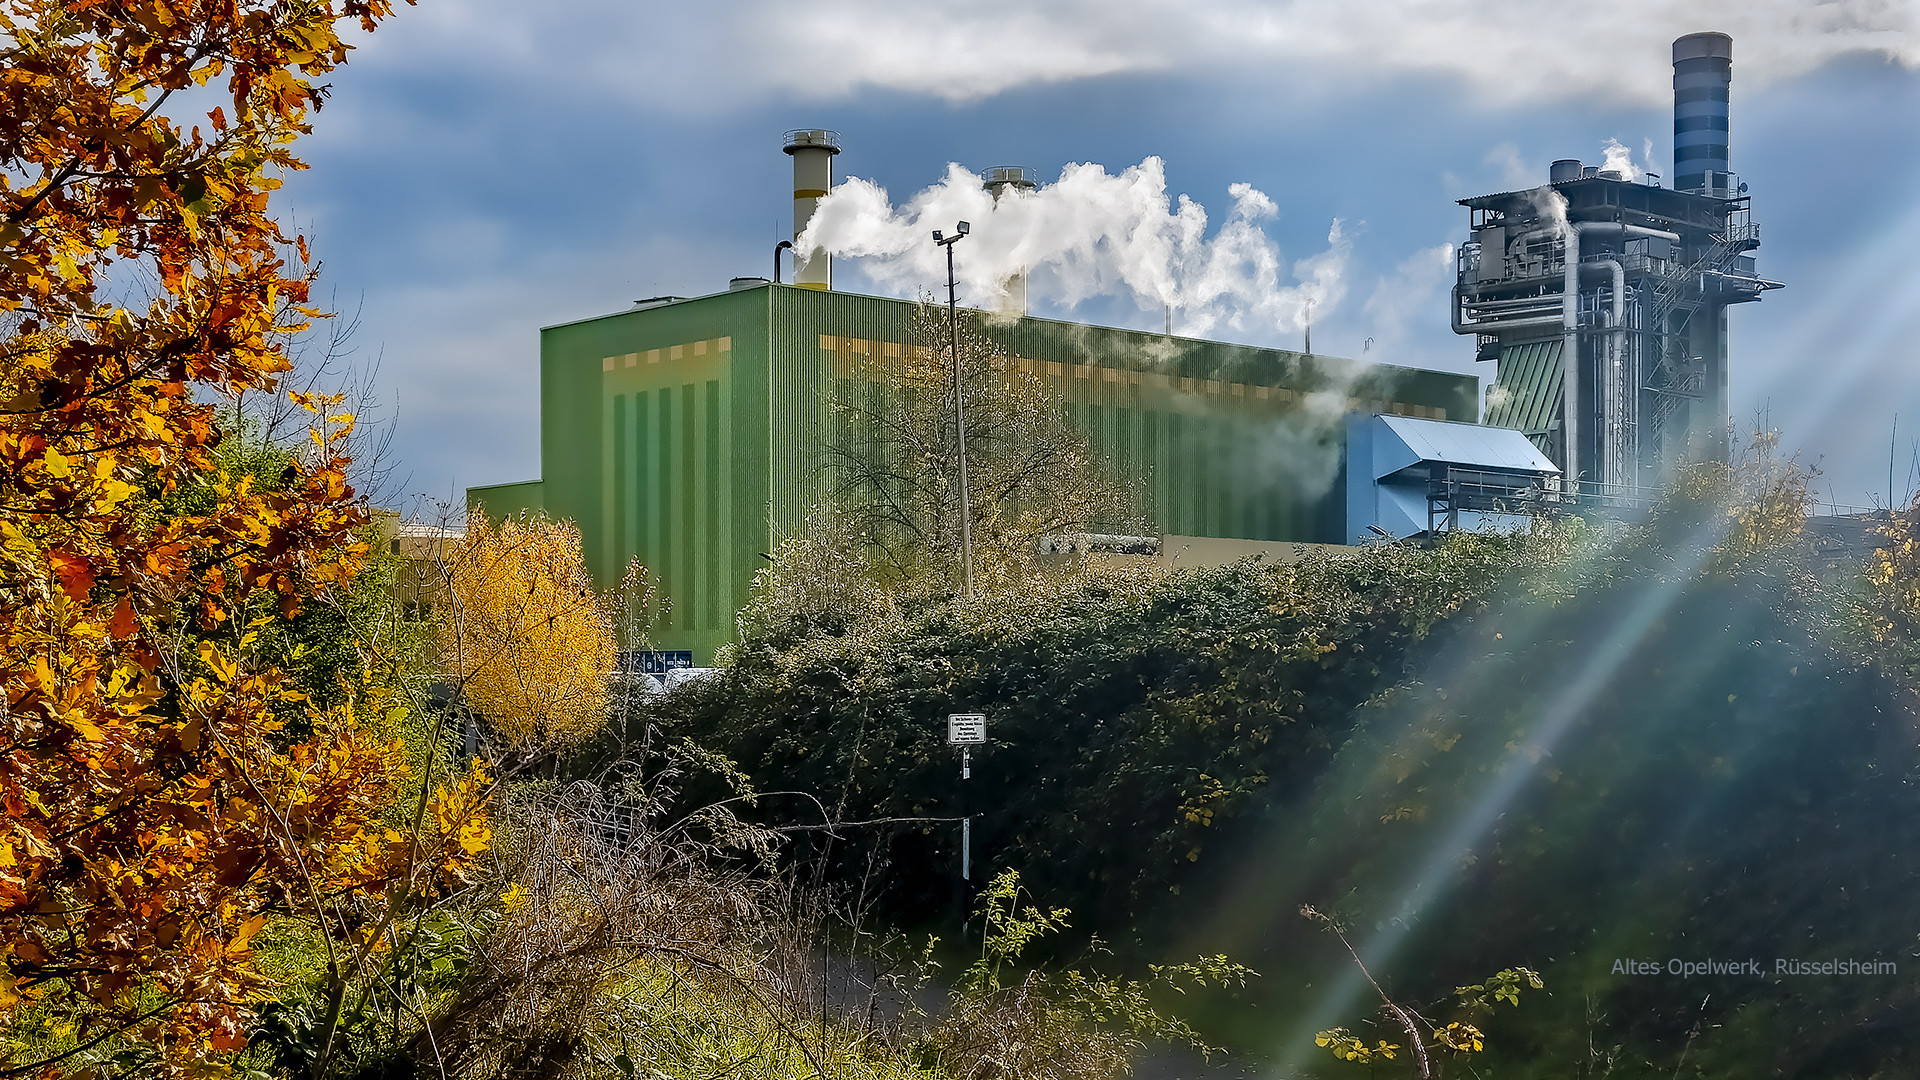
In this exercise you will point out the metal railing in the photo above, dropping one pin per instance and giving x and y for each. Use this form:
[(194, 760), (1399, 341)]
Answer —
[(1482, 492)]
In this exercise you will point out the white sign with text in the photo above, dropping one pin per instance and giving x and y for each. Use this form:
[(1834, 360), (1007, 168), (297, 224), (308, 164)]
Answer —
[(966, 729)]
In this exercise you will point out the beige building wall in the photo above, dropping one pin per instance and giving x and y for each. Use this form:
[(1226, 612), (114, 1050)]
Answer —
[(1186, 552), (1180, 552)]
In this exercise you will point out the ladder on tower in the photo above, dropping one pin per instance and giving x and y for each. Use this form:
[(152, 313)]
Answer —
[(1671, 382)]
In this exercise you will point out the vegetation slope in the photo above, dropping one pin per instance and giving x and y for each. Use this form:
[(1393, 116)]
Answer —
[(1689, 738)]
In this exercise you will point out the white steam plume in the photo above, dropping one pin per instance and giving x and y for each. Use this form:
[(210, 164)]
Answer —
[(1551, 206), (1088, 234), (1620, 159)]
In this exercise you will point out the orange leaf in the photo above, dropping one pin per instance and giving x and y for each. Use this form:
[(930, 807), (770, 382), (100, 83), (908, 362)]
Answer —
[(75, 574), (123, 624)]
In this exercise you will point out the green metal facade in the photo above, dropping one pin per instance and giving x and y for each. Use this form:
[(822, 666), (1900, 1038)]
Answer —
[(687, 435), (1527, 392)]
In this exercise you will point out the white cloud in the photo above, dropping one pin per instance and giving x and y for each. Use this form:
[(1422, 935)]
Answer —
[(746, 51), (1514, 169), (460, 351), (1406, 301)]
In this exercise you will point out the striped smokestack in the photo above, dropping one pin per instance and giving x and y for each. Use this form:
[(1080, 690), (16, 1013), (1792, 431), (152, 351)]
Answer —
[(1702, 77), (812, 150)]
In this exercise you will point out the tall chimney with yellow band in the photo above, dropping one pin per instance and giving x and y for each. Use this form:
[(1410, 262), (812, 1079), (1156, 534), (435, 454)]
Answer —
[(812, 151)]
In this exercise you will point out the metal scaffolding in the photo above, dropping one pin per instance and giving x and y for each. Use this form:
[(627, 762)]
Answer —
[(1615, 364)]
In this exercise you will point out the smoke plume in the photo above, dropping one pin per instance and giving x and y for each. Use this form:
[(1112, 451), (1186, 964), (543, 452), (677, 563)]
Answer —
[(1089, 234), (1551, 206), (1620, 158)]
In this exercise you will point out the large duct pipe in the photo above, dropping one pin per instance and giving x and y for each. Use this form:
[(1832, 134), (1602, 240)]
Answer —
[(1570, 325), (1586, 227), (1702, 81), (1000, 180), (1570, 358), (1612, 412), (812, 151), (1463, 325)]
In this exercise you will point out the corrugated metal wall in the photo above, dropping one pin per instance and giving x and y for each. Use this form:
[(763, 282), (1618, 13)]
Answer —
[(1217, 439), (1528, 390), (689, 435), (667, 464)]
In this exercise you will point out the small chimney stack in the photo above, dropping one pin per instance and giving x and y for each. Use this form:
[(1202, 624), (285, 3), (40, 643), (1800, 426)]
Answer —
[(812, 150), (1000, 180)]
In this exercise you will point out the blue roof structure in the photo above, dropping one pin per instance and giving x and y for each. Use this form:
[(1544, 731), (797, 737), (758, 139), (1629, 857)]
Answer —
[(1395, 465), (1406, 441)]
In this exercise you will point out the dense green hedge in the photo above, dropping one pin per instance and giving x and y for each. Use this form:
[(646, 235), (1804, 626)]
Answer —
[(1557, 750), (1131, 715)]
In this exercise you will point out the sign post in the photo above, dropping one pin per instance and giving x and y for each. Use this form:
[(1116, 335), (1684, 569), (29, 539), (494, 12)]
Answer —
[(966, 731)]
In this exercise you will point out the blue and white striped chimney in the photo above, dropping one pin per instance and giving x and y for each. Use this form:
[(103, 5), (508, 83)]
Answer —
[(1702, 77)]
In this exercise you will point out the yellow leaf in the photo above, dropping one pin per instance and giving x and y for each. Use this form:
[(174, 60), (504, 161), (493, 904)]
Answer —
[(43, 675), (245, 933)]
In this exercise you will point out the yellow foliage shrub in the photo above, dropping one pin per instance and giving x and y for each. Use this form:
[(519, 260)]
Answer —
[(529, 640)]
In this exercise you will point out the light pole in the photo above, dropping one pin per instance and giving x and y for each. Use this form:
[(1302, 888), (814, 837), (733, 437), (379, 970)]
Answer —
[(959, 402)]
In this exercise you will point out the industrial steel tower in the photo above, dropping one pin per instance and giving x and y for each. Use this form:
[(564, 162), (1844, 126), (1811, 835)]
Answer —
[(1605, 300)]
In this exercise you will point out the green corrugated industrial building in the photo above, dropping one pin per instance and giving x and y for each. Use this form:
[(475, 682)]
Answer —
[(686, 434)]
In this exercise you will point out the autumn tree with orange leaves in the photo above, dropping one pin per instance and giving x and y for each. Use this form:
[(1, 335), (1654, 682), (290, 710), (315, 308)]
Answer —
[(159, 806)]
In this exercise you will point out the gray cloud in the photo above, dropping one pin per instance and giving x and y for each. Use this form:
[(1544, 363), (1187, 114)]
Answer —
[(746, 51)]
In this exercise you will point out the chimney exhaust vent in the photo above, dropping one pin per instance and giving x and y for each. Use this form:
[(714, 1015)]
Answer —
[(1702, 86), (812, 150), (1000, 180)]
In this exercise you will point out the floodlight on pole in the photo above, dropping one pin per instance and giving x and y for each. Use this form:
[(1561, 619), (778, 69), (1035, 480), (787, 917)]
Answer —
[(959, 401)]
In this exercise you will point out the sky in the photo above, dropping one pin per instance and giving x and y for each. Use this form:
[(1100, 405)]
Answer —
[(484, 168)]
